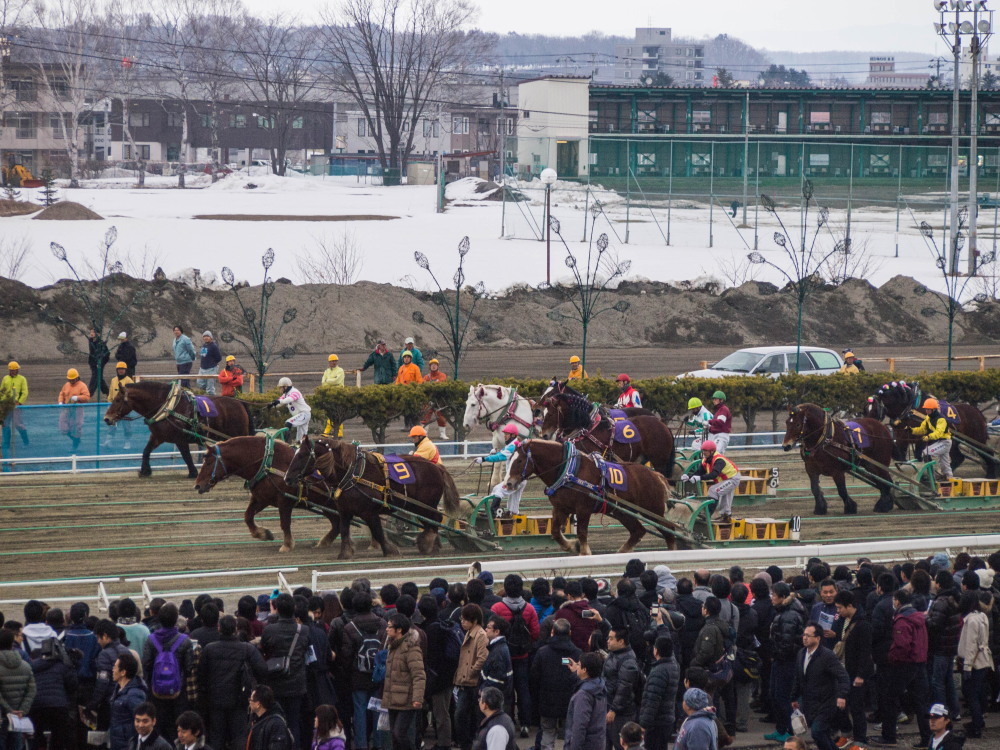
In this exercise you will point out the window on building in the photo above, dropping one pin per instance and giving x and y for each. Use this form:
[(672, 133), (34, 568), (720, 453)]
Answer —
[(819, 118), (819, 160), (938, 118), (701, 160), (361, 128), (460, 125), (60, 88), (701, 116), (505, 126), (237, 121), (138, 119), (141, 151), (23, 124), (207, 121), (536, 158), (59, 124), (297, 123), (525, 114), (265, 123), (24, 89), (881, 118), (175, 120), (628, 73)]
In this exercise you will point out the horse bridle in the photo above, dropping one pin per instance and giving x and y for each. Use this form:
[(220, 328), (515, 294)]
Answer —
[(127, 418), (803, 436)]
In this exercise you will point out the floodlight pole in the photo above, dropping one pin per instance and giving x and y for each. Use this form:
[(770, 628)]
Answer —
[(976, 48), (956, 50), (746, 153)]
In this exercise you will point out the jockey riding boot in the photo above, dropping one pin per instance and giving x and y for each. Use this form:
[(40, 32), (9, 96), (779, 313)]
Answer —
[(494, 507), (442, 433)]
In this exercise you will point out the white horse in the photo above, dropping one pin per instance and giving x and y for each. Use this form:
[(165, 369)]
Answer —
[(495, 406)]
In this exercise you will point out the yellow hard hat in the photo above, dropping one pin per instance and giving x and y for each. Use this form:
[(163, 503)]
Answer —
[(230, 358), (12, 365), (574, 359), (333, 358), (418, 431), (930, 403), (71, 373), (848, 354), (433, 362), (121, 366)]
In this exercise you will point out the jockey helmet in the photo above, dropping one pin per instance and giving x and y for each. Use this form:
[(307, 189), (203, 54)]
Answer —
[(719, 395), (708, 446), (72, 374), (509, 429), (574, 359), (285, 383), (333, 358), (849, 355), (230, 358), (623, 378), (418, 431), (121, 366), (930, 403), (12, 365), (433, 362), (407, 353), (694, 403)]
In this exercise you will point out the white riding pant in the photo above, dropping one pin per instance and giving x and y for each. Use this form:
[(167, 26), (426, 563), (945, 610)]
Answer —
[(721, 441), (513, 497), (940, 451), (722, 492), (301, 424)]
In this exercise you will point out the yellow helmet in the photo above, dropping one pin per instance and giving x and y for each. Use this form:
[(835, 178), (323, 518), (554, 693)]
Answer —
[(433, 362), (121, 366), (930, 403), (574, 359), (333, 358), (72, 374), (848, 355), (418, 431), (230, 358), (12, 365), (694, 403), (406, 353)]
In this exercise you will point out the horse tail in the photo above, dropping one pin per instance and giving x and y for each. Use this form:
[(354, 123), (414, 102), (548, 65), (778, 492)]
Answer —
[(452, 506), (250, 423)]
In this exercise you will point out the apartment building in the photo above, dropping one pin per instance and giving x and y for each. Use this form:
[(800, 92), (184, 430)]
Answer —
[(654, 51)]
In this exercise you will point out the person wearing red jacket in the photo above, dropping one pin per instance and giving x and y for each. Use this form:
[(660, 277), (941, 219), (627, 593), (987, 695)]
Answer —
[(581, 626), (906, 670), (721, 425), (519, 643)]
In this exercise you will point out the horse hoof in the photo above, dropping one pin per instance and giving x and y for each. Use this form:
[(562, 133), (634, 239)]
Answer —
[(266, 535), (391, 550), (147, 473), (880, 508), (819, 510), (345, 556), (576, 546), (285, 548), (850, 509), (192, 475)]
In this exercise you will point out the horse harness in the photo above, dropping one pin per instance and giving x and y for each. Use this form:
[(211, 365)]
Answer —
[(510, 416), (354, 478), (192, 425), (568, 478)]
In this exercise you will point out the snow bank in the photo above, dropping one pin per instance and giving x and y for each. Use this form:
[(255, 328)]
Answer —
[(470, 189), (266, 182), (566, 192)]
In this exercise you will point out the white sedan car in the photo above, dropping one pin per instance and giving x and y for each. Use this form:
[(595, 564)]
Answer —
[(772, 361)]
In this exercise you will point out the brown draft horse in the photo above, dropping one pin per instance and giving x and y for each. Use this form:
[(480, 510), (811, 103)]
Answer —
[(242, 457), (552, 461), (179, 425), (360, 477), (568, 416), (824, 441), (897, 400)]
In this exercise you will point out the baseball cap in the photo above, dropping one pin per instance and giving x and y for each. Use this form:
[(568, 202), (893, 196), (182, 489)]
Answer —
[(486, 577), (938, 709)]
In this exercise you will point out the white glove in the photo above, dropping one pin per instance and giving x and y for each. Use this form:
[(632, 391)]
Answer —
[(74, 398), (479, 460), (684, 477), (694, 478)]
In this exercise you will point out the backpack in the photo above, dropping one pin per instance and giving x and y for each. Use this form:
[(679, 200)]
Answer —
[(636, 626), (55, 650), (167, 680), (454, 637), (519, 638), (367, 655)]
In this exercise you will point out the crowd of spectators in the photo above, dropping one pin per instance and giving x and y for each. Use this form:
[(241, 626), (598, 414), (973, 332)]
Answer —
[(841, 656)]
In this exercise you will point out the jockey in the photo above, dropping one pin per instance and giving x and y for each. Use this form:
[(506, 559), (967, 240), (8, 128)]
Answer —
[(513, 497), (629, 395), (725, 478), (422, 445), (721, 424), (936, 434), (698, 419), (576, 371), (297, 406)]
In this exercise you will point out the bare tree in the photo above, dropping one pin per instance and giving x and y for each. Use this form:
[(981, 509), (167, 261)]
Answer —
[(736, 271), (281, 70), (68, 39), (852, 261), (14, 256), (335, 260), (129, 29), (391, 56)]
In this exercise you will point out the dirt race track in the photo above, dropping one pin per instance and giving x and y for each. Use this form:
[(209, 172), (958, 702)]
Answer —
[(117, 525)]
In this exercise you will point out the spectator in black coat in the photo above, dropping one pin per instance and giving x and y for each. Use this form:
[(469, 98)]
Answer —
[(226, 669), (552, 681), (147, 730), (745, 643), (944, 627), (268, 728), (498, 670), (855, 649), (786, 640), (439, 668), (621, 679), (656, 712), (760, 589), (129, 693), (277, 642), (365, 625), (821, 686), (209, 630), (55, 683), (689, 606), (626, 612), (111, 648)]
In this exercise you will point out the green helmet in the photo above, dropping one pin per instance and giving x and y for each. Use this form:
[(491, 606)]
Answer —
[(694, 403), (719, 395)]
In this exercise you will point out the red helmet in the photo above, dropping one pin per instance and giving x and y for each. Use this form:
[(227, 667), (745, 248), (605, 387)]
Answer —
[(509, 429), (708, 445), (623, 378)]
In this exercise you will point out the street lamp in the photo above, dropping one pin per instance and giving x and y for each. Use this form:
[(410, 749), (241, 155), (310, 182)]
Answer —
[(548, 176), (952, 25)]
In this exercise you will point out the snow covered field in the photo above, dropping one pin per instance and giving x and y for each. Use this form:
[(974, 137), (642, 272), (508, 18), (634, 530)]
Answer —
[(156, 227)]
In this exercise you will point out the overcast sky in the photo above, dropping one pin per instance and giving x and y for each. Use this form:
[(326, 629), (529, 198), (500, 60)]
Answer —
[(797, 25)]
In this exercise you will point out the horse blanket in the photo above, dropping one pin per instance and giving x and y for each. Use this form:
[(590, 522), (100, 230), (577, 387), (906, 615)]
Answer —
[(860, 439), (399, 469), (206, 407), (624, 430)]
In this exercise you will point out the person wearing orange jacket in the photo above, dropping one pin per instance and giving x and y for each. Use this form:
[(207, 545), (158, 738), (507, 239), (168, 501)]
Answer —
[(74, 391), (422, 445), (435, 376), (408, 373), (231, 377)]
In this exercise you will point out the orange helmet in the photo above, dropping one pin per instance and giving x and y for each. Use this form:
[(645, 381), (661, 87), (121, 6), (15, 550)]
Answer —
[(930, 403), (418, 431)]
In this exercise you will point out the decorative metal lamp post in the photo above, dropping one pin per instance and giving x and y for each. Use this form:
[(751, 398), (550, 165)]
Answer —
[(548, 176)]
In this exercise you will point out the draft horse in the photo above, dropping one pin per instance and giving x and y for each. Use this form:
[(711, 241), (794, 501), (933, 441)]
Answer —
[(496, 406), (570, 478), (363, 487), (896, 402), (569, 415), (175, 415), (825, 445), (262, 461)]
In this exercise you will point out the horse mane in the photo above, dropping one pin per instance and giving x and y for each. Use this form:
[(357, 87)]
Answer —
[(578, 410)]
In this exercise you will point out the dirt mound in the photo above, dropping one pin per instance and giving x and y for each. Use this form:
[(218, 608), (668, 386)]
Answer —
[(17, 208), (68, 211)]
